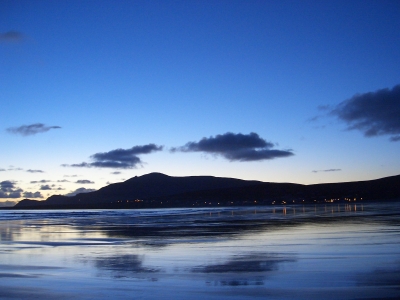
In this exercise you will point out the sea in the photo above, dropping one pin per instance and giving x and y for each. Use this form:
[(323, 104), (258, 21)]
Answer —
[(332, 251)]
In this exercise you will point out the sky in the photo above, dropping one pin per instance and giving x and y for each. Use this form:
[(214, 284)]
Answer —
[(97, 92)]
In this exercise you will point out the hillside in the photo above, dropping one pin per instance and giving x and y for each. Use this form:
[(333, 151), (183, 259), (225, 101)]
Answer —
[(159, 190)]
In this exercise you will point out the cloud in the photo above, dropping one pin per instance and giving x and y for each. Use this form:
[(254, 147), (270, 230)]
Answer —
[(32, 129), (40, 181), (15, 194), (115, 173), (7, 203), (35, 171), (32, 195), (14, 169), (45, 187), (2, 170), (11, 37), (374, 113), (9, 190), (7, 186), (84, 181), (119, 158), (236, 147), (328, 170), (64, 180), (80, 190)]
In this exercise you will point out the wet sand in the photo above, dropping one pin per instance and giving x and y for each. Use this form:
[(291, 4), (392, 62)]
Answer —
[(285, 252)]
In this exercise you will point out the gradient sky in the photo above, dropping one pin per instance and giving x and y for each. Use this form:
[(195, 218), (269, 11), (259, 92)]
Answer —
[(96, 92)]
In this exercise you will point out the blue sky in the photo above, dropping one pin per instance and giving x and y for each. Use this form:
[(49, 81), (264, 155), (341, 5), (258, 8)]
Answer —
[(81, 79)]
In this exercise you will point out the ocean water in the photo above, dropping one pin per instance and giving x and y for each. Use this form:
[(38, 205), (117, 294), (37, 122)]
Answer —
[(330, 251)]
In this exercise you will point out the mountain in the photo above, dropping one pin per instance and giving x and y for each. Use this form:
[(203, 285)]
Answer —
[(159, 190)]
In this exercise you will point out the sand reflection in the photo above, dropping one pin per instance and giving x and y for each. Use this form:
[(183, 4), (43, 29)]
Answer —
[(124, 266), (250, 269)]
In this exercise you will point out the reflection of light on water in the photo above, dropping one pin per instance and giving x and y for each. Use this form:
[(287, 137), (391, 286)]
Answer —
[(284, 253)]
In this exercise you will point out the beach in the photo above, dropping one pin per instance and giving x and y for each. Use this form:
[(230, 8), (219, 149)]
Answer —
[(345, 251)]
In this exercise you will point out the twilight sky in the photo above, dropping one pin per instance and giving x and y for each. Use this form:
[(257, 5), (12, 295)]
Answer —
[(96, 92)]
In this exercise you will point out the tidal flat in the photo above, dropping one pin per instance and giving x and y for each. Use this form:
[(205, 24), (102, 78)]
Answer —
[(333, 251)]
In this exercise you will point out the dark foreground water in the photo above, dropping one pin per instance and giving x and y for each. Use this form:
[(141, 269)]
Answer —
[(293, 252)]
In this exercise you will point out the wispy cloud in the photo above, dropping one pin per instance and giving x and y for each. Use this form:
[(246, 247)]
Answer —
[(41, 181), (63, 180), (84, 181), (374, 113), (327, 170), (236, 147), (26, 130), (11, 36), (34, 171), (12, 168), (119, 158)]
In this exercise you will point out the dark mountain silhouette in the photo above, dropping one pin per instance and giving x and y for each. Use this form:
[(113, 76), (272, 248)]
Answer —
[(159, 190)]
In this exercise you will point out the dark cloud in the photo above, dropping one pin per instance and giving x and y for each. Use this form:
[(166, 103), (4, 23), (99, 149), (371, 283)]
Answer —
[(11, 36), (236, 147), (9, 190), (2, 170), (32, 129), (374, 113), (32, 195), (80, 190), (116, 173), (45, 187), (328, 170), (4, 195), (35, 171), (41, 181), (7, 186), (15, 194), (119, 158), (64, 180), (84, 181)]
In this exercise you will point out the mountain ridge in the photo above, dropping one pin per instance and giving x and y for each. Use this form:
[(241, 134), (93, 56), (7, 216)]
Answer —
[(160, 190)]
